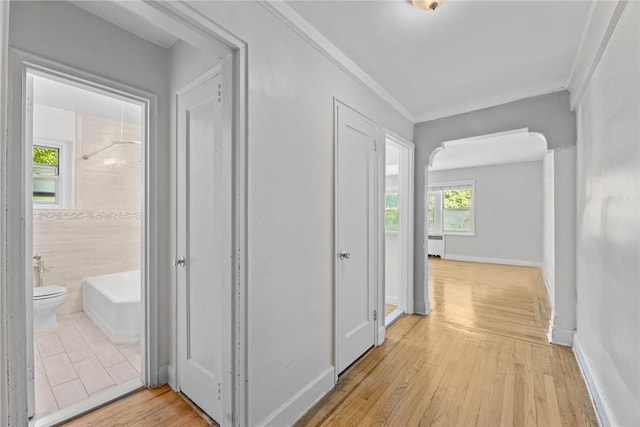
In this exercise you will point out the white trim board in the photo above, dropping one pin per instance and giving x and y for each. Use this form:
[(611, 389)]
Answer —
[(600, 405), (486, 260), (88, 405), (308, 32), (603, 19), (559, 336), (5, 403), (302, 401)]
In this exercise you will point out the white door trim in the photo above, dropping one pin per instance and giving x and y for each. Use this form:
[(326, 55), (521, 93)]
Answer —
[(184, 21), (193, 27), (5, 383), (378, 225), (407, 218), (18, 219)]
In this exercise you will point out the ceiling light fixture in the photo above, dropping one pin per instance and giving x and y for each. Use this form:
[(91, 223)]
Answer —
[(427, 4)]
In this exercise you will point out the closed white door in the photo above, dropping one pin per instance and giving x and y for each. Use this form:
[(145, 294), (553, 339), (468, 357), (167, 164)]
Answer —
[(355, 204), (204, 248)]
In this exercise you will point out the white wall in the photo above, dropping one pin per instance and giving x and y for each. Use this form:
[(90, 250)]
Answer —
[(67, 34), (563, 301), (608, 230), (290, 203), (508, 214)]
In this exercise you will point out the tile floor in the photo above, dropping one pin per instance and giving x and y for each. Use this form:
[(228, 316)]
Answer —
[(76, 361)]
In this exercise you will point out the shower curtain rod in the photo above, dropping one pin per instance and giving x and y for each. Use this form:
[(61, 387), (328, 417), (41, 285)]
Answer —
[(87, 156)]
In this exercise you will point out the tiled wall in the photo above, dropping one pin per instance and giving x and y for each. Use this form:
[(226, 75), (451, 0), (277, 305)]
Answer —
[(101, 234)]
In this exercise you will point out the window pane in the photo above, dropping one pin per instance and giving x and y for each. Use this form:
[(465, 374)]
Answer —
[(391, 219), (45, 170), (45, 156), (44, 190), (457, 220), (391, 201), (431, 201), (457, 199)]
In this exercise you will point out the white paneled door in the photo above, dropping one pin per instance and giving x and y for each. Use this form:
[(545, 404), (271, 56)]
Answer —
[(203, 261), (355, 233)]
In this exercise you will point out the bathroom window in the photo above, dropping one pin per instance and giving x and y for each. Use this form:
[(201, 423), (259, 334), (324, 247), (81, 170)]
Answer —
[(51, 170)]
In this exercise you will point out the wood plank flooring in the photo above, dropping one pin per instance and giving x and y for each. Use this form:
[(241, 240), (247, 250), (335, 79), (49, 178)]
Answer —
[(151, 407), (481, 358)]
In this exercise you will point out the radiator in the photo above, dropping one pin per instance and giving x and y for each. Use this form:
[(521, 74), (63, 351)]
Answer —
[(435, 245)]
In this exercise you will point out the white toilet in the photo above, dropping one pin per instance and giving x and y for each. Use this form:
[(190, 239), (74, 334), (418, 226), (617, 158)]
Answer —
[(46, 300)]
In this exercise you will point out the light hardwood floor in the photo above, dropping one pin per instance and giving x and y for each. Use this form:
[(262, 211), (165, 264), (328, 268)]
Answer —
[(155, 407), (480, 359)]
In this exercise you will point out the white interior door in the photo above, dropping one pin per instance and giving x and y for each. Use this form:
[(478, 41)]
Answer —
[(204, 247), (355, 207)]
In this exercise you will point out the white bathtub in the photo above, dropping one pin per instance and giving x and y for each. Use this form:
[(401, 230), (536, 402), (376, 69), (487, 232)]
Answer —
[(112, 301)]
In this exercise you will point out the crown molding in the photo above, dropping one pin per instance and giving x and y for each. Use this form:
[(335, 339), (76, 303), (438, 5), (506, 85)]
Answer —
[(493, 101), (308, 32), (603, 19)]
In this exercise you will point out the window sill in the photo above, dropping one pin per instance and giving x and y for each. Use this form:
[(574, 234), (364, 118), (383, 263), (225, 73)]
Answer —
[(461, 233)]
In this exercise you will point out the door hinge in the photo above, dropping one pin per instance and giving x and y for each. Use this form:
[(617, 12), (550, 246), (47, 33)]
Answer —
[(219, 93), (375, 315), (375, 145)]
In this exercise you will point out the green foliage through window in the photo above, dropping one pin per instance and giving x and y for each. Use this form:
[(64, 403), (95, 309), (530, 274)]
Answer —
[(45, 174), (454, 210), (457, 199), (391, 216), (45, 156)]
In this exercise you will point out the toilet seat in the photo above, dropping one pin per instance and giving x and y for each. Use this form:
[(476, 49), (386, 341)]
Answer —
[(48, 292)]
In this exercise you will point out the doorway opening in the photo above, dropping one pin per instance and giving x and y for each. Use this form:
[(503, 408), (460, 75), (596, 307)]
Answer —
[(180, 30), (484, 204), (398, 224), (85, 233)]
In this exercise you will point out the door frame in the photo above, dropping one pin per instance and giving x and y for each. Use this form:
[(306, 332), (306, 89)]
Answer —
[(19, 215), (7, 408), (195, 28), (378, 221), (406, 285)]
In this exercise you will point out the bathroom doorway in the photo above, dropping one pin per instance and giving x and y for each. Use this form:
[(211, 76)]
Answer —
[(85, 190)]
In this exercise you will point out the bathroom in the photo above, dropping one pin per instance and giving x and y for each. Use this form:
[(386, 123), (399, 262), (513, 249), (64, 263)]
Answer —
[(87, 241)]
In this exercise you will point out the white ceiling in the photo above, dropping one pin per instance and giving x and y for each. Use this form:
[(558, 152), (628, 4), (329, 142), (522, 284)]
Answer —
[(496, 149), (52, 93), (469, 54)]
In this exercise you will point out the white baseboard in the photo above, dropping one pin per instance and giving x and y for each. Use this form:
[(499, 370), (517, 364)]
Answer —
[(603, 413), (505, 261), (167, 375), (549, 286), (302, 401), (381, 333), (391, 300), (390, 318), (560, 336)]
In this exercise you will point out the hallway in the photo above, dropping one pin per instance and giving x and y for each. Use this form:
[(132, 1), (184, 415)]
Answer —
[(481, 358)]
